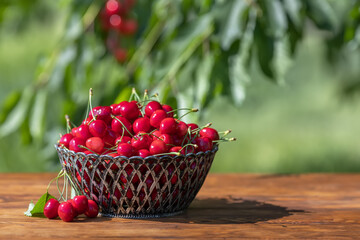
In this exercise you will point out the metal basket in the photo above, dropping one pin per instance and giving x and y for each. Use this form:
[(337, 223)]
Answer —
[(138, 187)]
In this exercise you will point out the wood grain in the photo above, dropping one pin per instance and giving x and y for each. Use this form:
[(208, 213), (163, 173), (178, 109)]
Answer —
[(323, 206)]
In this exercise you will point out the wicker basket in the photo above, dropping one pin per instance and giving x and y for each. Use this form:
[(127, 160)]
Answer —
[(138, 187)]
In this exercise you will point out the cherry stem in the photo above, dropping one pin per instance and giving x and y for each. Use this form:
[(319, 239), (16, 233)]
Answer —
[(81, 146), (191, 111), (189, 144), (225, 140), (122, 125), (169, 153), (60, 174), (90, 105), (146, 96)]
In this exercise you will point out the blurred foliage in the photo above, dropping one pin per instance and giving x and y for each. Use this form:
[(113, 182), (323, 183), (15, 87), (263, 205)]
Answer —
[(190, 52)]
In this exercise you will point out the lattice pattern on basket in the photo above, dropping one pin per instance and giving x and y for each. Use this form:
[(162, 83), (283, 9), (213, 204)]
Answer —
[(133, 187)]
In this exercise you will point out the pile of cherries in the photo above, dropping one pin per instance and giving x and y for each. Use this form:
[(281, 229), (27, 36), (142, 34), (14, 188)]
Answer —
[(117, 24), (70, 209), (132, 128)]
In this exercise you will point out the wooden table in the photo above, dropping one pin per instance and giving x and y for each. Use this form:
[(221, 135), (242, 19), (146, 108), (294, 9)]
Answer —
[(228, 206)]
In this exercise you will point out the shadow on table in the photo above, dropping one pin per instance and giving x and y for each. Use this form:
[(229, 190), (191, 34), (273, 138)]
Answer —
[(229, 211)]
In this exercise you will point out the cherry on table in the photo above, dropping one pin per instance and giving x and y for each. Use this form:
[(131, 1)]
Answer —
[(80, 204), (66, 212), (92, 210), (51, 208)]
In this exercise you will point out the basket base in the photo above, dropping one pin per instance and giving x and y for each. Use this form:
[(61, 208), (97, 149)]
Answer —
[(140, 216)]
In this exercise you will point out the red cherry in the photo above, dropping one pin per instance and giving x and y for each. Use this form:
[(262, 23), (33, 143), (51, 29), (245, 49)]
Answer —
[(156, 117), (112, 6), (157, 147), (129, 110), (109, 138), (188, 149), (115, 21), (75, 143), (66, 212), (151, 107), (51, 208), (65, 139), (87, 152), (83, 132), (178, 140), (120, 55), (95, 144), (169, 126), (116, 108), (74, 131), (193, 126), (80, 203), (101, 113), (92, 210), (71, 201), (98, 128), (156, 135), (144, 153), (167, 139), (141, 141), (87, 120), (119, 124), (141, 124), (123, 139), (182, 128), (168, 109), (128, 27), (175, 149), (125, 149), (210, 133), (204, 144)]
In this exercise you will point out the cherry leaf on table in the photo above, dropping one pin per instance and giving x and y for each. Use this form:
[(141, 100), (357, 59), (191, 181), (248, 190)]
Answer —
[(38, 209)]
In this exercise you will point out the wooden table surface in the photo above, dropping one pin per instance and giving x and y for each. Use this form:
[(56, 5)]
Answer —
[(228, 206)]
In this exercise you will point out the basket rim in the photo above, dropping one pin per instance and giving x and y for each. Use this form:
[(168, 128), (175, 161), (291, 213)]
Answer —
[(93, 155)]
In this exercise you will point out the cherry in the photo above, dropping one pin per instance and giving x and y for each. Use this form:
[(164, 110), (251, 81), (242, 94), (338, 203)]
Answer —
[(175, 149), (193, 126), (109, 138), (83, 132), (115, 21), (120, 55), (210, 133), (167, 139), (92, 210), (129, 110), (125, 149), (141, 124), (75, 143), (120, 124), (156, 117), (51, 208), (144, 153), (74, 131), (65, 139), (128, 27), (177, 140), (71, 201), (151, 107), (182, 128), (112, 6), (187, 150), (80, 204), (156, 135), (95, 144), (66, 212), (101, 113), (169, 126), (169, 110), (157, 147), (204, 144), (123, 139), (141, 141), (87, 120), (98, 128)]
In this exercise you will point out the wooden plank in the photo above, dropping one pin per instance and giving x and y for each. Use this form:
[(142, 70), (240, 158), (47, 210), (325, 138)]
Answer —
[(228, 206)]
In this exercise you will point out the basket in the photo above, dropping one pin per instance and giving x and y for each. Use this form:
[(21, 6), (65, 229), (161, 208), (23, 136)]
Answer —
[(138, 187)]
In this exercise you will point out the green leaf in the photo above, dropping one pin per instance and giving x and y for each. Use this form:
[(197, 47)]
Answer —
[(203, 79), (293, 9), (17, 116), (9, 103), (233, 27), (276, 22), (323, 14), (37, 119), (38, 210)]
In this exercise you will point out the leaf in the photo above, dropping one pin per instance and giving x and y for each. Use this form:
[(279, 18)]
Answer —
[(293, 9), (38, 210), (30, 208), (237, 72), (233, 27), (203, 79), (37, 119), (276, 22), (322, 14), (9, 103), (17, 116)]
